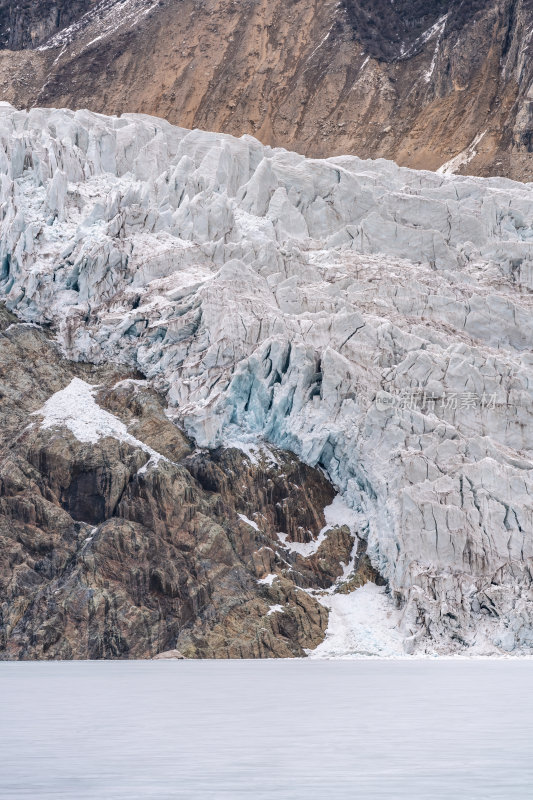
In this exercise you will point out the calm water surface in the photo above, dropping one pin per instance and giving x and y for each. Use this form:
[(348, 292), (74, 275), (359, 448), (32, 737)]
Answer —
[(292, 730)]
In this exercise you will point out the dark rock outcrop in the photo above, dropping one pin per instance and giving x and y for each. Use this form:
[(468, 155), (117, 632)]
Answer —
[(393, 31), (27, 23)]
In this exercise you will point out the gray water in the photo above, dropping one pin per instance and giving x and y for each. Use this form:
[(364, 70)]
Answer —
[(271, 729)]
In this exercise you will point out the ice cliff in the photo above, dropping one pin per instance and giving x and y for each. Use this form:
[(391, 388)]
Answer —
[(372, 319)]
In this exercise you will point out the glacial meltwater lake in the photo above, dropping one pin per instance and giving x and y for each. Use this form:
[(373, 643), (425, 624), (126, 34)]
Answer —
[(292, 730)]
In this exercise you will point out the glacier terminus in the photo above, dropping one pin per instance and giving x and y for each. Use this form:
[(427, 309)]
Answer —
[(374, 320)]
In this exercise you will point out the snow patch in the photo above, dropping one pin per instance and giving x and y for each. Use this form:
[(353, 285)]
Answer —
[(75, 408), (255, 449), (336, 514), (438, 29), (362, 623), (249, 522), (268, 581), (339, 513), (461, 159), (305, 549), (101, 22), (277, 609)]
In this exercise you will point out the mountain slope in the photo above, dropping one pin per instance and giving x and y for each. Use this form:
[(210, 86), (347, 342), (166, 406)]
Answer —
[(373, 320), (421, 83)]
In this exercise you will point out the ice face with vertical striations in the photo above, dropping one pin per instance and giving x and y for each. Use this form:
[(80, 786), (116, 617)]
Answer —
[(372, 319)]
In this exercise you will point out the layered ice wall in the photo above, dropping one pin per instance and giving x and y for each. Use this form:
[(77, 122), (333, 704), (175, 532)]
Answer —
[(375, 320)]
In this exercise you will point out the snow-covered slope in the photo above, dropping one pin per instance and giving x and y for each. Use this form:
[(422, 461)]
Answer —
[(374, 320)]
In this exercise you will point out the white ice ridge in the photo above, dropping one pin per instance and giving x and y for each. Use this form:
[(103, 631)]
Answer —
[(374, 320), (75, 408)]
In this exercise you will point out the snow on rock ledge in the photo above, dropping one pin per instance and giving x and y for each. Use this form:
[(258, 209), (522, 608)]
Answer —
[(75, 408), (375, 320)]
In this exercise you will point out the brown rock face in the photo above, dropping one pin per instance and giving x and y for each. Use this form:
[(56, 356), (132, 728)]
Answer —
[(418, 82), (105, 553)]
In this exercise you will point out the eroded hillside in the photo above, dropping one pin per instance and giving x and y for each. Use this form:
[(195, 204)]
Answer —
[(421, 83)]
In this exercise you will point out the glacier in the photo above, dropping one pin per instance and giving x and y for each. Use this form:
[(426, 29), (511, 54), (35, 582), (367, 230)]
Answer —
[(374, 320)]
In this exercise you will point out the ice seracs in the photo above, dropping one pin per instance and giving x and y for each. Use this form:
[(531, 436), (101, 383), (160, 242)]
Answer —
[(375, 320)]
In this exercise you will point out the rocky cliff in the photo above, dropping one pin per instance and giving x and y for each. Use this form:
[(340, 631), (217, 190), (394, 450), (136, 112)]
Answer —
[(26, 24), (441, 84), (370, 319)]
